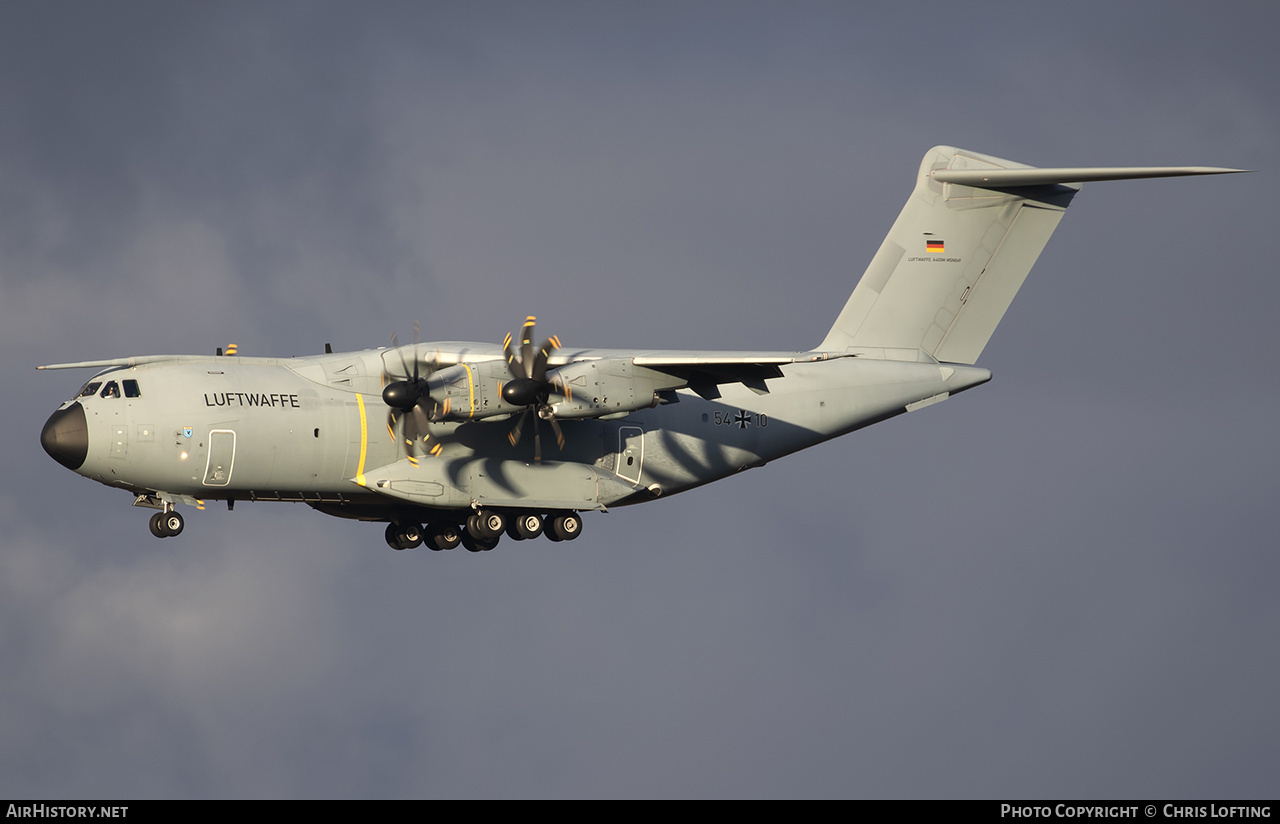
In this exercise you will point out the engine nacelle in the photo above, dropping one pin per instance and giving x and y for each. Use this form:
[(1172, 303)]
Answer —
[(598, 388), (591, 389), (470, 391)]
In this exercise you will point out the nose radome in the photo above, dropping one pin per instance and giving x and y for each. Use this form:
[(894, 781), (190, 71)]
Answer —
[(66, 436)]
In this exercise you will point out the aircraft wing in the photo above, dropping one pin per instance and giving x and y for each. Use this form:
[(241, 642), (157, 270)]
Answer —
[(704, 371)]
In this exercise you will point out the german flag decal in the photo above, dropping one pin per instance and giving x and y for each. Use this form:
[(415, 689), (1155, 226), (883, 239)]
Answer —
[(934, 246)]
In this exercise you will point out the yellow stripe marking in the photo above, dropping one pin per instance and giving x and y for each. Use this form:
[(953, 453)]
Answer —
[(364, 440), (471, 387)]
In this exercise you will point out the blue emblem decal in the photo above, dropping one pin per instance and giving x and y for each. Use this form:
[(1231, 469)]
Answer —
[(186, 432)]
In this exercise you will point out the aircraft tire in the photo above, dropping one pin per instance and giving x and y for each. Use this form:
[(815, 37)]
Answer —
[(157, 525), (393, 537), (411, 536), (526, 527), (474, 544), (172, 524), (442, 536), (565, 527), (487, 524)]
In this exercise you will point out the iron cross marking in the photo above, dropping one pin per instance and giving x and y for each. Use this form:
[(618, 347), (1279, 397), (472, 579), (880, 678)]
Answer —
[(742, 419)]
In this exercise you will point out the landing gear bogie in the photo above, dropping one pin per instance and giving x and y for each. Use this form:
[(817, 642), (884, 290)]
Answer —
[(525, 527), (442, 536), (564, 527), (486, 524), (403, 536), (483, 529), (166, 524)]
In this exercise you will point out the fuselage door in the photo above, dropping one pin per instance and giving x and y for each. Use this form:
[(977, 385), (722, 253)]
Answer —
[(222, 452), (630, 452)]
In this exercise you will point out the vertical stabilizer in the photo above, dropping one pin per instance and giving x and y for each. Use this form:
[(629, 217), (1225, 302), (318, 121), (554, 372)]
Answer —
[(960, 250)]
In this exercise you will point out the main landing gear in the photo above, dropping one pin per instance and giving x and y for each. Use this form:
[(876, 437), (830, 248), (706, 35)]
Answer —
[(166, 524), (483, 530)]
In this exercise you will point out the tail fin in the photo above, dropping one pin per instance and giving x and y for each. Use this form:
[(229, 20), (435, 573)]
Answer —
[(959, 252)]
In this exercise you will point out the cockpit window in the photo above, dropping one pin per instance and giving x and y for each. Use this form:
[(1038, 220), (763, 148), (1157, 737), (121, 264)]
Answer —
[(90, 389), (131, 389), (111, 390)]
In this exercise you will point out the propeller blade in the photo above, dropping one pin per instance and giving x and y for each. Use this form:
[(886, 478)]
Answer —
[(417, 331), (409, 429), (526, 344), (421, 420), (513, 358), (395, 344), (555, 427), (409, 397), (549, 346), (529, 386), (514, 435)]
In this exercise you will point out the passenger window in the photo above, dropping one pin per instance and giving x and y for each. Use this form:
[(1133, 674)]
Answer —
[(131, 389), (90, 389), (111, 390)]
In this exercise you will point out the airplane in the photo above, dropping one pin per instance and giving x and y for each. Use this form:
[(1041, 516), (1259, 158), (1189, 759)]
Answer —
[(443, 441)]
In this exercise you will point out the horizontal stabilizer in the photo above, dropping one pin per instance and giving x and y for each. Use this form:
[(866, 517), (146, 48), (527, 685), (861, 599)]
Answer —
[(1009, 178)]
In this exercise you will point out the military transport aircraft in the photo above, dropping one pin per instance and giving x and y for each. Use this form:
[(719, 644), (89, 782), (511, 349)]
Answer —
[(443, 441)]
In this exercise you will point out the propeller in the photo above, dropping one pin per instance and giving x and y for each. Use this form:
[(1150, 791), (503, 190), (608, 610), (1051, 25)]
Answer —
[(411, 405), (529, 386)]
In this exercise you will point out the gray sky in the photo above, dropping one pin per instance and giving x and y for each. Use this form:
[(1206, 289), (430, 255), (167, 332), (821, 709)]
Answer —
[(1060, 584)]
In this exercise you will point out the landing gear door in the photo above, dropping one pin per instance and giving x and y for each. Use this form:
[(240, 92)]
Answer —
[(222, 453), (630, 452)]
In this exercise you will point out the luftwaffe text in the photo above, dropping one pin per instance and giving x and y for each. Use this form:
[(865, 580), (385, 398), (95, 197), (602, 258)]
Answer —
[(251, 399)]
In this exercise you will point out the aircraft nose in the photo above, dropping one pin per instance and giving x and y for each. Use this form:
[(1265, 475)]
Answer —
[(66, 436)]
